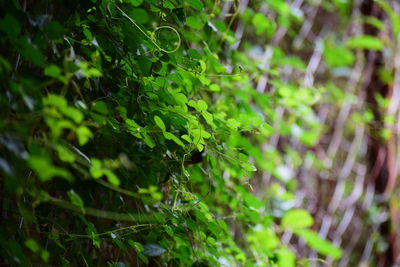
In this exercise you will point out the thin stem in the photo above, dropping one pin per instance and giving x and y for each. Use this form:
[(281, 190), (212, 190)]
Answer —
[(110, 215)]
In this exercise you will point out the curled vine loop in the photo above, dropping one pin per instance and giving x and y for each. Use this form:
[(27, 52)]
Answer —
[(179, 41), (151, 36)]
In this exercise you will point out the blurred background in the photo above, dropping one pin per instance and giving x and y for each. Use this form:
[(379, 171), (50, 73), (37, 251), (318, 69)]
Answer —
[(335, 151)]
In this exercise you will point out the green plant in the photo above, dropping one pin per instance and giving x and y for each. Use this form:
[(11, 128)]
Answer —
[(130, 131)]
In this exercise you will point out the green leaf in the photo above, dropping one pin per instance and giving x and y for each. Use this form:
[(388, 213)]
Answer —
[(10, 25), (247, 166), (181, 98), (139, 15), (201, 105), (159, 122), (186, 138), (200, 147), (319, 244), (266, 129), (214, 88), (192, 103), (96, 168), (264, 239), (365, 42), (297, 219), (119, 244), (92, 233), (136, 245), (5, 66), (170, 136), (286, 258), (52, 71), (75, 199), (54, 30), (86, 70), (30, 51), (196, 4), (112, 178), (72, 113), (135, 3), (45, 170), (54, 100), (208, 117), (148, 140), (194, 22), (232, 123), (84, 134), (32, 245), (309, 138), (143, 258), (45, 255), (100, 107), (337, 56), (261, 23), (65, 154)]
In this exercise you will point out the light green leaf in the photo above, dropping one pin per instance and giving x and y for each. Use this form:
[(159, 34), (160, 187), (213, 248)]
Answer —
[(214, 88), (148, 140), (232, 123), (192, 103), (170, 136), (337, 56), (45, 170), (100, 107), (247, 166), (75, 199), (65, 154), (32, 245), (208, 117), (196, 4), (200, 147), (297, 219), (201, 105), (187, 138), (261, 23), (52, 71), (54, 100), (84, 134), (159, 123), (181, 98), (194, 22), (72, 113), (112, 178), (96, 169), (365, 42), (286, 258), (319, 244), (205, 134)]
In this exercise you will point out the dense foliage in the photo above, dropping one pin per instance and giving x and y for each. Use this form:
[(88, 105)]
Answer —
[(131, 130)]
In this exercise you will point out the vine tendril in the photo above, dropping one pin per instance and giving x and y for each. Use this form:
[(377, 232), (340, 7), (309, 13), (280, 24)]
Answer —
[(150, 37)]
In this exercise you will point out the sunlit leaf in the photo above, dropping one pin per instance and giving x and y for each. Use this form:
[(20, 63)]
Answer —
[(365, 42), (319, 244), (159, 122), (297, 219)]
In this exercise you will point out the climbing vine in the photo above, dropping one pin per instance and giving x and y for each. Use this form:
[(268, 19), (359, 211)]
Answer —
[(131, 132)]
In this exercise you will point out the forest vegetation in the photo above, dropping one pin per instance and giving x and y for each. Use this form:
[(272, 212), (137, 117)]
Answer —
[(200, 133)]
